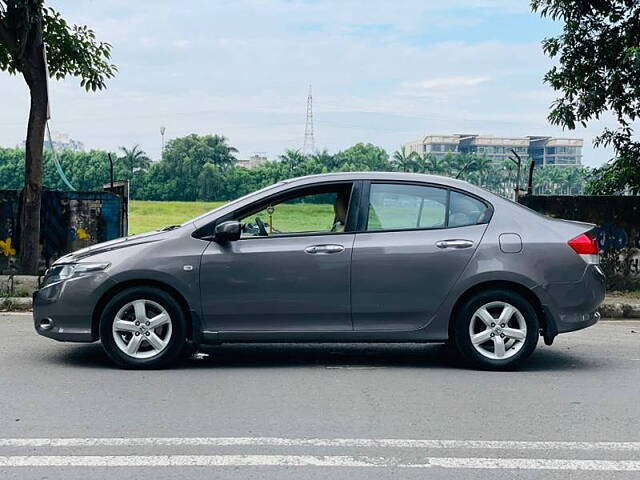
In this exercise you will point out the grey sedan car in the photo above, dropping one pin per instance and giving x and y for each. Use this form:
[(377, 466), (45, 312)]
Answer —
[(349, 257)]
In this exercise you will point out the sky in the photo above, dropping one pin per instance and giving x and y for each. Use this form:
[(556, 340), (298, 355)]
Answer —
[(385, 72)]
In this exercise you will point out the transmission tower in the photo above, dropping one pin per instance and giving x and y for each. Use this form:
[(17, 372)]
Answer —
[(309, 143)]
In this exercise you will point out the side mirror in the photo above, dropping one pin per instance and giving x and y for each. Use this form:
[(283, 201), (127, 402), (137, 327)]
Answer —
[(227, 232)]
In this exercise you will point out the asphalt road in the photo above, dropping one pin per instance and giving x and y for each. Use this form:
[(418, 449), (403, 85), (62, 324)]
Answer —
[(321, 411)]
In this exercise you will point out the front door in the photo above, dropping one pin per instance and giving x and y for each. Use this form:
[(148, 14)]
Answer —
[(290, 271), (416, 244)]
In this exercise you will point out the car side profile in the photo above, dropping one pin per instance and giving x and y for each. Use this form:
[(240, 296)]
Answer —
[(348, 257)]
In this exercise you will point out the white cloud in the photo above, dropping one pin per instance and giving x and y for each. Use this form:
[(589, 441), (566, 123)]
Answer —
[(449, 82), (242, 68), (182, 43)]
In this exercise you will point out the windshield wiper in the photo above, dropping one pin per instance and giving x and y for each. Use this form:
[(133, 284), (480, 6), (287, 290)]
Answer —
[(170, 227)]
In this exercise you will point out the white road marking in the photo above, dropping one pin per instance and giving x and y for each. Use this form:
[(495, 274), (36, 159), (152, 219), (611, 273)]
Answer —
[(315, 461), (318, 442)]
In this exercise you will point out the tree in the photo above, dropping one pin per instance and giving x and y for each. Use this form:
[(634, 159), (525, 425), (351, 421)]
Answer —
[(481, 168), (598, 55), (293, 159), (26, 26), (134, 158), (402, 161), (325, 160), (184, 158), (435, 165), (367, 157)]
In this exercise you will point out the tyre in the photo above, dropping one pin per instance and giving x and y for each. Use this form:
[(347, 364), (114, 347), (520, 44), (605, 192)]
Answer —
[(496, 329), (143, 327)]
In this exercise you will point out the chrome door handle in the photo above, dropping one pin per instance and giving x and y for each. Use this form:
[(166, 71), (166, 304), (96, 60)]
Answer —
[(458, 243), (324, 249)]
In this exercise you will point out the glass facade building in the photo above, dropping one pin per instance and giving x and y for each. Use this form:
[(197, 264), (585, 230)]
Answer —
[(541, 149)]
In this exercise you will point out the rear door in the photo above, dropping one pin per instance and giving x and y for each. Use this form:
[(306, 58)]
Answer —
[(415, 242)]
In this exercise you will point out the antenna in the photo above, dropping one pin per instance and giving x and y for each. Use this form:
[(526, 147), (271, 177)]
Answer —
[(309, 142)]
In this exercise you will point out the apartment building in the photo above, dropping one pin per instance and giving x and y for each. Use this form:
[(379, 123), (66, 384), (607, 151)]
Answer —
[(542, 150)]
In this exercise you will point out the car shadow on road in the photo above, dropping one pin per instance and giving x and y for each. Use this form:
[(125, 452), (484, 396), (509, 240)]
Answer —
[(354, 356)]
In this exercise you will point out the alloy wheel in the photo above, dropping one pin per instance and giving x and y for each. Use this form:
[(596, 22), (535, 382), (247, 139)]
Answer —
[(498, 330), (142, 329)]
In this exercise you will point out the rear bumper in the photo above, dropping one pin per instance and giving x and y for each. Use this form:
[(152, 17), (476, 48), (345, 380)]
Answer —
[(572, 306)]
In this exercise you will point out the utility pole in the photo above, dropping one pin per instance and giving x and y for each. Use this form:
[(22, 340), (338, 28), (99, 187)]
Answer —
[(518, 163), (309, 142)]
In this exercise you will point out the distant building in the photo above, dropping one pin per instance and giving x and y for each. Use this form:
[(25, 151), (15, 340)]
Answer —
[(542, 150), (61, 141), (252, 162)]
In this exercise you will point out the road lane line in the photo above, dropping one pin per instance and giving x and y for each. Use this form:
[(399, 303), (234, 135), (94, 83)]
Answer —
[(318, 442), (315, 461)]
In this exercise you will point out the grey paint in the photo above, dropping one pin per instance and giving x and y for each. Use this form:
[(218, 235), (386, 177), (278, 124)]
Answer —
[(510, 243), (384, 286), (273, 284), (401, 278)]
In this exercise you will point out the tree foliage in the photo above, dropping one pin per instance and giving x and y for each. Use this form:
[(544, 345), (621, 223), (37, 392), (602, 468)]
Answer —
[(598, 55), (192, 170), (72, 50), (31, 33), (134, 158)]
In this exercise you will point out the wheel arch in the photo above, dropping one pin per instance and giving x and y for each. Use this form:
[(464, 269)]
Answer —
[(119, 287), (523, 290)]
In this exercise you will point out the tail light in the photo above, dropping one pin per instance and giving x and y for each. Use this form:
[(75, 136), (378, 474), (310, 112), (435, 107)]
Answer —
[(586, 245)]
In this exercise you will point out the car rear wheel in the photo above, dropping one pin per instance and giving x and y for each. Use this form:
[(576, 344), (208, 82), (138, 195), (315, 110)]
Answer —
[(496, 329), (143, 327)]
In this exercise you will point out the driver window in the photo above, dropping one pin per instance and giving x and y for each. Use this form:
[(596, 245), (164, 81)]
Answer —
[(320, 210)]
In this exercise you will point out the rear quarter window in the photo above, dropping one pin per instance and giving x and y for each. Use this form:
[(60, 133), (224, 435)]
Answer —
[(466, 210)]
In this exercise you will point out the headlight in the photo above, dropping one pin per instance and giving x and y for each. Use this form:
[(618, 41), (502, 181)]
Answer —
[(64, 271)]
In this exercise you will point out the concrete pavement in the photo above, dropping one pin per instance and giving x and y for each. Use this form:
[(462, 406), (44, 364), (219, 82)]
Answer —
[(318, 411)]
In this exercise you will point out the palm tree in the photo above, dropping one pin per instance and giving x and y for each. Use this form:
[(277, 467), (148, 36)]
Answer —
[(421, 163), (482, 166), (293, 158), (325, 159), (220, 152), (402, 161), (435, 165), (457, 164), (135, 158)]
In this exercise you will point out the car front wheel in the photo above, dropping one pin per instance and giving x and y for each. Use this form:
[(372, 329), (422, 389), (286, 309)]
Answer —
[(143, 327), (496, 329)]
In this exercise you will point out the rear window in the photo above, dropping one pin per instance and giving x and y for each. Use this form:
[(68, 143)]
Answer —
[(402, 207), (394, 206)]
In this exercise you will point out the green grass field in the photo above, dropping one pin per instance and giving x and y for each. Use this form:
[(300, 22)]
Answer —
[(145, 216)]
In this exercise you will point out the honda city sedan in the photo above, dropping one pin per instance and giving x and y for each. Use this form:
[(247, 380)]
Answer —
[(348, 257)]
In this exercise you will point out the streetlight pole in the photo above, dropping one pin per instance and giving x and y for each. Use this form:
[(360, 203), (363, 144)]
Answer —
[(162, 130)]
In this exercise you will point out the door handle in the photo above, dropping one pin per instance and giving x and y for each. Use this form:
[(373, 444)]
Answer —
[(457, 243), (324, 249)]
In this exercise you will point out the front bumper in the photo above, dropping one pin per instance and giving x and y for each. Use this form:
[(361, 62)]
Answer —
[(64, 311)]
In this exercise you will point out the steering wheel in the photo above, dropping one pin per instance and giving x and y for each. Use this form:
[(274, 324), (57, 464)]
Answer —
[(261, 227)]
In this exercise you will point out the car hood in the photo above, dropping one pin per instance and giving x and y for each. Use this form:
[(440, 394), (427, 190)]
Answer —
[(116, 244)]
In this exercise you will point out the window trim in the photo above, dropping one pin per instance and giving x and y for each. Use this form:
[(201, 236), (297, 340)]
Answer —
[(352, 210), (363, 217)]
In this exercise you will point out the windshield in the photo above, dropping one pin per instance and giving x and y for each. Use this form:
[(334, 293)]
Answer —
[(237, 200)]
